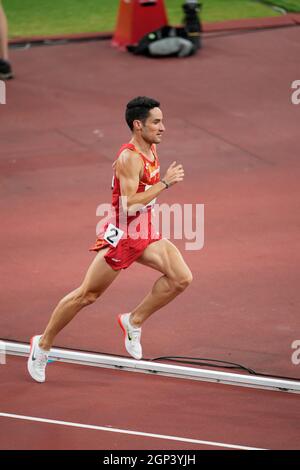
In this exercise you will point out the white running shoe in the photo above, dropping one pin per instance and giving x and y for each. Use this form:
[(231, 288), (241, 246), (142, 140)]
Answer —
[(132, 336), (37, 360)]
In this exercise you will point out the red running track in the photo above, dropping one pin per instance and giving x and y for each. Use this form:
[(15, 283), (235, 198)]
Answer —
[(230, 121), (221, 414)]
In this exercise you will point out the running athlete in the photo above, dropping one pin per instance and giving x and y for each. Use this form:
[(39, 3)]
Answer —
[(136, 184)]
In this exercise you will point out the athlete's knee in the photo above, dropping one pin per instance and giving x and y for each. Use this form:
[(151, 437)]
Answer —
[(85, 297), (182, 282)]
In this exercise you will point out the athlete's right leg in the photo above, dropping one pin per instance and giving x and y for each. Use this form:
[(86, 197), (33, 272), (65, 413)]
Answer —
[(98, 277)]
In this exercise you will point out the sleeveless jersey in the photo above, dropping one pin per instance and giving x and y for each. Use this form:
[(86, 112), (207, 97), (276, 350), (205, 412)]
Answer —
[(150, 176)]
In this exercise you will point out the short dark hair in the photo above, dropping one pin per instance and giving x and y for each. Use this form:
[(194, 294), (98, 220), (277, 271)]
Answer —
[(139, 108)]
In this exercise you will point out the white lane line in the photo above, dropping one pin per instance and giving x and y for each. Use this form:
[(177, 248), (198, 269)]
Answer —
[(126, 431)]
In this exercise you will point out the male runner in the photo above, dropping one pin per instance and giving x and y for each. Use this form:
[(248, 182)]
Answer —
[(137, 181)]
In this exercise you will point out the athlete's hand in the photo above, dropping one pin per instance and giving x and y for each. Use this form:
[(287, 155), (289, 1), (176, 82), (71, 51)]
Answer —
[(174, 174)]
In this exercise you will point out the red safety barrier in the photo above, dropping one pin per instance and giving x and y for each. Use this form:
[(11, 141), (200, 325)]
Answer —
[(137, 18)]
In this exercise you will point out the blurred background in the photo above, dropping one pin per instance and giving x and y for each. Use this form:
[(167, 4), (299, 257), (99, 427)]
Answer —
[(50, 17)]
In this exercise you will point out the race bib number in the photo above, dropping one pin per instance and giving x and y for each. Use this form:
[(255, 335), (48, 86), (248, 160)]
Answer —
[(113, 235)]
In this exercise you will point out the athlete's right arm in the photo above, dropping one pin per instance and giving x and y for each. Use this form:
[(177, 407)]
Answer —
[(128, 170)]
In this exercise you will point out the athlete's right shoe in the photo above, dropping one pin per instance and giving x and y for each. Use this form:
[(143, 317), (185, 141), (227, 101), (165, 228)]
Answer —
[(132, 336), (37, 360)]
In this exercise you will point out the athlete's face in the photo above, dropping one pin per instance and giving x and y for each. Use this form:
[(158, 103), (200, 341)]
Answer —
[(153, 128)]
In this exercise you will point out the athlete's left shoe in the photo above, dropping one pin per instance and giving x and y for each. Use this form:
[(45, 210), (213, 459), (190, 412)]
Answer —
[(37, 360), (132, 336)]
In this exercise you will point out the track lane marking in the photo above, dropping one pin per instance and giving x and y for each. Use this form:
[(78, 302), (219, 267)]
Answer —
[(127, 431)]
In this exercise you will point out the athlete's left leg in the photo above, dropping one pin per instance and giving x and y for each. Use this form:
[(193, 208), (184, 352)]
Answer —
[(166, 258), (3, 35)]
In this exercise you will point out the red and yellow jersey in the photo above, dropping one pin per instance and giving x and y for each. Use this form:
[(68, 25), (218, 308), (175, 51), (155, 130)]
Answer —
[(151, 174)]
